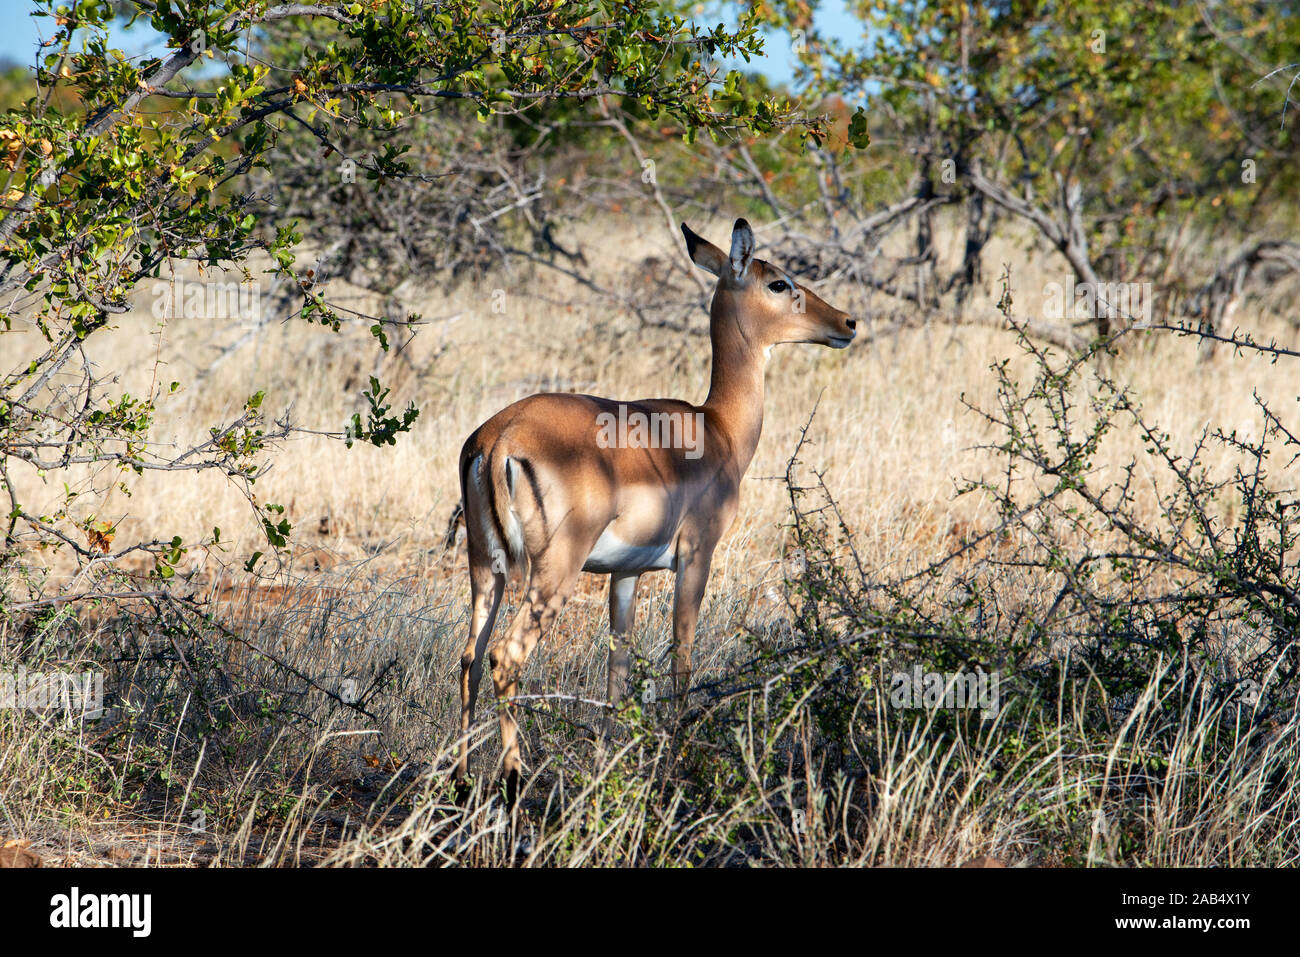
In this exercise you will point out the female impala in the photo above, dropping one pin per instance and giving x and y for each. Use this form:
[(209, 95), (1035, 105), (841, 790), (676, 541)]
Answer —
[(547, 492)]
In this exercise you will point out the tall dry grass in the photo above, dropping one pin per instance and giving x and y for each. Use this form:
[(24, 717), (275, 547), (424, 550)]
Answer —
[(386, 605), (891, 431)]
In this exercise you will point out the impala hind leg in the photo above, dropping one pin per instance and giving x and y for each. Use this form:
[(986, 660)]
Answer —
[(544, 599), (622, 612), (486, 590)]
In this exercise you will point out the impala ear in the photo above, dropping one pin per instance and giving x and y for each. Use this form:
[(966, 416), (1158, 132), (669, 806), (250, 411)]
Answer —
[(703, 253), (742, 248)]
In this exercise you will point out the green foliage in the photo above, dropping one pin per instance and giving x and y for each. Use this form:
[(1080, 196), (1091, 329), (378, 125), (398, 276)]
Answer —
[(380, 427), (118, 170), (1115, 129)]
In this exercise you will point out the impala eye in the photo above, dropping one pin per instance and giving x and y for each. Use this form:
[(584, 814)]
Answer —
[(779, 286)]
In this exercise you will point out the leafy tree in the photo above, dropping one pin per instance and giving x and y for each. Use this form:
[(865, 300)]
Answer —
[(1111, 127), (116, 168)]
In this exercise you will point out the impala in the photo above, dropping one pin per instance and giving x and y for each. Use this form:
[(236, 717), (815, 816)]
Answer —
[(558, 484)]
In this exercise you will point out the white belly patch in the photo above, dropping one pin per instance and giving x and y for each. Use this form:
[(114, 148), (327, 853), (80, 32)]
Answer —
[(612, 554)]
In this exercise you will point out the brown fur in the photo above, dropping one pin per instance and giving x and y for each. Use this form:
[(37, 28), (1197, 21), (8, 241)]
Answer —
[(535, 476)]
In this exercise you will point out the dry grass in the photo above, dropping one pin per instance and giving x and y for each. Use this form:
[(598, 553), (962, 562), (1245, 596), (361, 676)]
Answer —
[(373, 597), (891, 432)]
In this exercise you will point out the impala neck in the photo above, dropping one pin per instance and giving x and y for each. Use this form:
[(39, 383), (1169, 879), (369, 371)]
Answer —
[(736, 382)]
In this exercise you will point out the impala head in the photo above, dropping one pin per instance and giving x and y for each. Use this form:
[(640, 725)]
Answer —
[(765, 301)]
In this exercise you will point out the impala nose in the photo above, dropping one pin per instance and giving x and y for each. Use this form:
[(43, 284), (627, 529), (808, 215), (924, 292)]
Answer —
[(851, 323)]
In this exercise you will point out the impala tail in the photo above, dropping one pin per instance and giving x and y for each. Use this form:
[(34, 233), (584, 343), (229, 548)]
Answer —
[(488, 485)]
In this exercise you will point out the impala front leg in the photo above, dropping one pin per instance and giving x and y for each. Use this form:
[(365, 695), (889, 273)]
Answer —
[(622, 612), (692, 577)]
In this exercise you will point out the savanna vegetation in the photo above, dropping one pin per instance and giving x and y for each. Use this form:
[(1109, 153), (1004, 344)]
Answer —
[(259, 283)]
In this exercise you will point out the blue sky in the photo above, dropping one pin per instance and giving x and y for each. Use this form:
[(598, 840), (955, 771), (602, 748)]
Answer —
[(19, 34)]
